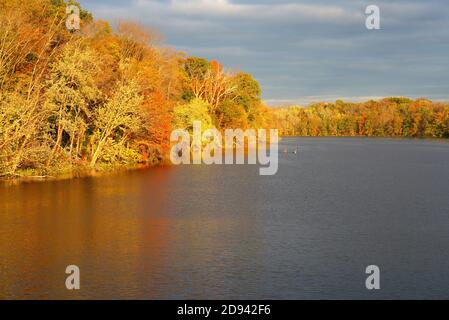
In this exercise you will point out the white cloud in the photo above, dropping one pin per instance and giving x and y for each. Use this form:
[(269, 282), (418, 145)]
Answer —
[(275, 11)]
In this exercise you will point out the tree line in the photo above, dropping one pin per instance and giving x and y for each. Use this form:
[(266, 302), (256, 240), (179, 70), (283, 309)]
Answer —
[(390, 117)]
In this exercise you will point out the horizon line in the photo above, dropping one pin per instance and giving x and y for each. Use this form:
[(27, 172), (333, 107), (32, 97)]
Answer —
[(309, 100)]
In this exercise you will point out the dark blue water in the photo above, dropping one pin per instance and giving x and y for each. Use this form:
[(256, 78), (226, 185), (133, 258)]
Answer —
[(205, 232)]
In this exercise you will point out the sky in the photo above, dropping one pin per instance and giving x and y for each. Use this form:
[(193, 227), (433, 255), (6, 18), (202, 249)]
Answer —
[(307, 51)]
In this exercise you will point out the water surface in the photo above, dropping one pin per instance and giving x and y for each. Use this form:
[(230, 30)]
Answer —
[(205, 232)]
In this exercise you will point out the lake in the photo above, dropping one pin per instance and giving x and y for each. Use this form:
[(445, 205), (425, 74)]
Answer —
[(225, 232)]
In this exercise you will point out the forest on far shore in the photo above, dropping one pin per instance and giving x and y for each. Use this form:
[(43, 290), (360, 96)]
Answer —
[(389, 117), (105, 96)]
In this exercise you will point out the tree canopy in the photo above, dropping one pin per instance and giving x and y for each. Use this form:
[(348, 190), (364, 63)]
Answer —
[(95, 97)]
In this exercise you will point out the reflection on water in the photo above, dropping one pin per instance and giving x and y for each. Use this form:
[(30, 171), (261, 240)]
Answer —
[(106, 226), (226, 232)]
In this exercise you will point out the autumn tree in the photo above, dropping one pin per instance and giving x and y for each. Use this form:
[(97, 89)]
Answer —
[(195, 110), (115, 122), (71, 96), (392, 117), (208, 81)]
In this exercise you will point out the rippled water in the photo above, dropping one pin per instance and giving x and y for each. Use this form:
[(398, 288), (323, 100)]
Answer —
[(226, 232)]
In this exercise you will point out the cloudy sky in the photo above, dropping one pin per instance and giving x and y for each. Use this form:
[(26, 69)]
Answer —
[(303, 51)]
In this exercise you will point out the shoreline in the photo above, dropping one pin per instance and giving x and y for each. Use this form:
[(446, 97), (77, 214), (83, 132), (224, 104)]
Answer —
[(79, 172)]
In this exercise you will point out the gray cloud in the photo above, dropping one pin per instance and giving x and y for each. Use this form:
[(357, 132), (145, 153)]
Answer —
[(304, 51)]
